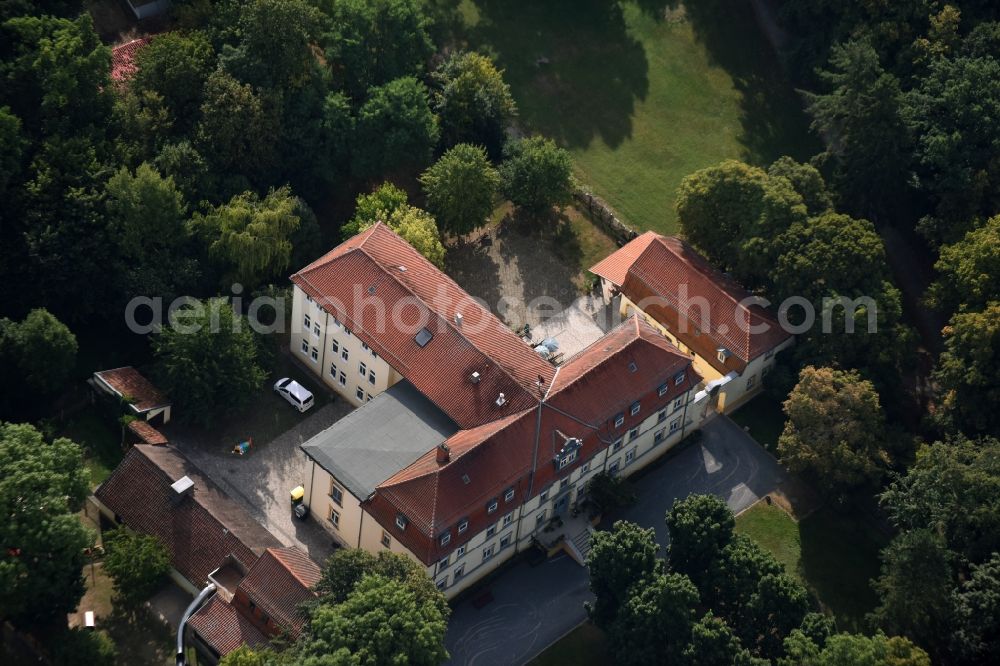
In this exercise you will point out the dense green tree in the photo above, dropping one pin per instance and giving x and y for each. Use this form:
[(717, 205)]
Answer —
[(146, 216), (853, 650), (953, 488), (317, 128), (714, 644), (380, 622), (775, 609), (921, 612), (732, 212), (176, 66), (42, 350), (807, 181), (654, 626), (137, 564), (395, 129), (618, 559), (273, 40), (207, 360), (976, 634), (734, 578), (954, 113), (12, 146), (418, 228), (42, 486), (700, 528), (461, 188), (236, 131), (861, 119), (537, 174), (376, 206), (82, 647), (473, 102), (835, 431), (250, 236), (371, 42), (968, 372), (969, 270), (182, 162)]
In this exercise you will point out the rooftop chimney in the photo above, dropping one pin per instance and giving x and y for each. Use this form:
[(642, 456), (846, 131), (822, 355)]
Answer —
[(502, 400), (474, 377), (443, 453), (458, 319)]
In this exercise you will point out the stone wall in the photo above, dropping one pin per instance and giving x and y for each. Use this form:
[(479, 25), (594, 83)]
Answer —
[(601, 214)]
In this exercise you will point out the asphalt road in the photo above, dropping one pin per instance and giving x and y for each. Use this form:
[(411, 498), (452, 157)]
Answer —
[(533, 607)]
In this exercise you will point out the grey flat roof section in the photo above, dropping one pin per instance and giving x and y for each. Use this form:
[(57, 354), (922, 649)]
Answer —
[(381, 437)]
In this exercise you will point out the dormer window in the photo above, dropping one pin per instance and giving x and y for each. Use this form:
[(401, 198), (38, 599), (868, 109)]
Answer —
[(463, 525), (722, 354), (635, 408), (620, 420), (445, 539), (568, 453), (509, 495), (679, 378), (662, 390), (491, 507), (401, 521)]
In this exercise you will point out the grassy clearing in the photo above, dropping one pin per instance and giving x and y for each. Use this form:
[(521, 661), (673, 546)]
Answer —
[(763, 419), (584, 646), (834, 555), (642, 95)]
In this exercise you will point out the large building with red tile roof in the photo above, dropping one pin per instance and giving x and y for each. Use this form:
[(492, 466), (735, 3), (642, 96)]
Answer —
[(466, 444), (701, 310), (259, 582)]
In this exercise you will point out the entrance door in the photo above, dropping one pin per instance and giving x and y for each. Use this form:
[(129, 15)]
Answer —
[(561, 505)]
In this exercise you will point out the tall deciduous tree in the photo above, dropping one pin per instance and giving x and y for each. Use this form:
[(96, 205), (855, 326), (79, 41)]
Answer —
[(807, 181), (395, 129), (251, 236), (654, 626), (474, 102), (42, 485), (618, 559), (835, 431), (854, 649), (236, 131), (137, 563), (42, 350), (700, 527), (968, 371), (272, 49), (176, 65), (969, 270), (461, 188), (976, 634), (714, 644), (371, 42), (207, 360), (537, 174)]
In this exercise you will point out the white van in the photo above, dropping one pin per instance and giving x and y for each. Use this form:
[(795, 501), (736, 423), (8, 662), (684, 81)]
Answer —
[(297, 395)]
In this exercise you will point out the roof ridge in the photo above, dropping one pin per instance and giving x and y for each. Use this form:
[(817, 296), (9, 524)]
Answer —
[(275, 553)]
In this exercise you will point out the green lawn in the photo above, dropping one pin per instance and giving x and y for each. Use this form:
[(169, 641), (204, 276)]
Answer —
[(640, 95), (834, 555), (764, 420), (584, 646)]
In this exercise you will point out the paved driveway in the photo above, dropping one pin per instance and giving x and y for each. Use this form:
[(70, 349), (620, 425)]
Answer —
[(261, 481), (533, 607)]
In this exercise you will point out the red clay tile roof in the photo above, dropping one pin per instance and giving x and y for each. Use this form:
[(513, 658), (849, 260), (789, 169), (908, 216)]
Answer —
[(378, 265), (224, 628), (587, 392), (281, 580), (146, 432), (123, 58), (127, 382), (199, 530), (658, 274)]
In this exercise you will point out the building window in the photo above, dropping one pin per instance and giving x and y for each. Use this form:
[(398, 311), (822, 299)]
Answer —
[(343, 378), (335, 347), (504, 541), (446, 538), (509, 495), (507, 519), (368, 399), (751, 381), (360, 393), (314, 354), (305, 347), (662, 389), (443, 563), (362, 369), (336, 322), (333, 370), (343, 353), (443, 583), (462, 526), (386, 540), (491, 530), (316, 329), (306, 322), (364, 345), (460, 551), (563, 483), (675, 425), (616, 446), (347, 331), (544, 496), (491, 507), (309, 298), (401, 521), (635, 408), (334, 518), (487, 553), (629, 456), (336, 494), (678, 403), (619, 420), (459, 572), (371, 377), (633, 434), (679, 378), (661, 416), (567, 459), (613, 469), (586, 468), (539, 519), (659, 436)]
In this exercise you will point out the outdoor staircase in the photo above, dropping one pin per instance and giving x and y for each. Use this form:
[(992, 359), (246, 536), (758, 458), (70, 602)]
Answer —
[(579, 545)]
